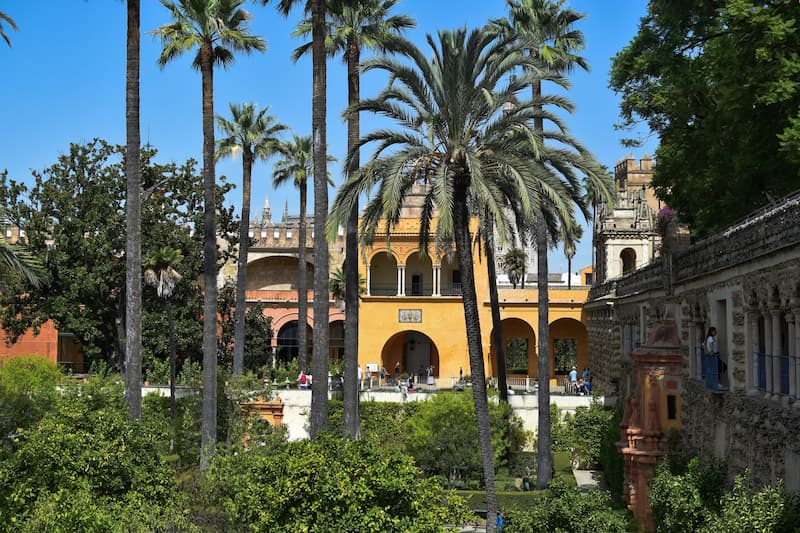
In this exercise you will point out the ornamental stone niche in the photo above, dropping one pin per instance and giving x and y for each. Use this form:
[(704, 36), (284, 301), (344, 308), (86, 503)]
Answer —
[(652, 411)]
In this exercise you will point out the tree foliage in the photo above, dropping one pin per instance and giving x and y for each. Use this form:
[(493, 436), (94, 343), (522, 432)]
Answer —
[(328, 484), (74, 219), (719, 83)]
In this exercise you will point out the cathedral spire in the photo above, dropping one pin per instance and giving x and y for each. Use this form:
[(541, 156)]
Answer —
[(266, 213)]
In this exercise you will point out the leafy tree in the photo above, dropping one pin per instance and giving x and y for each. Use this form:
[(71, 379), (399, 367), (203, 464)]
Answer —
[(328, 484), (354, 26), (216, 28), (718, 82), (257, 330), (16, 260), (5, 18), (85, 446), (563, 508), (443, 439), (255, 135), (73, 215), (27, 387)]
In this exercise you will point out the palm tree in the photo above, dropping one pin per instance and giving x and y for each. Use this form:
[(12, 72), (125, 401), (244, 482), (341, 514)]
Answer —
[(216, 28), (10, 21), (548, 33), (319, 109), (296, 164), (255, 135), (133, 218), (513, 263), (161, 274), (353, 26), (454, 136)]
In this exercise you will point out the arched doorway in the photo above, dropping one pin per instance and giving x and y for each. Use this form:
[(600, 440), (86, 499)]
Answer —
[(286, 348), (419, 275), (336, 340), (568, 346), (413, 351), (519, 343), (628, 258)]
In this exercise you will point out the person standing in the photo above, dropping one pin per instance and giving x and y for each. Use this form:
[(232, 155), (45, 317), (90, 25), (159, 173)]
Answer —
[(369, 378), (397, 372), (573, 380), (711, 346)]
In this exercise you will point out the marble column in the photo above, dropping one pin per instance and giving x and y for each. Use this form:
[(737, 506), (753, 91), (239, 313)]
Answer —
[(369, 279), (767, 350), (752, 317), (437, 280), (777, 351), (401, 274)]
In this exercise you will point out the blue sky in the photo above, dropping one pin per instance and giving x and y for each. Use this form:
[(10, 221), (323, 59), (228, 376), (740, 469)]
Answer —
[(63, 81)]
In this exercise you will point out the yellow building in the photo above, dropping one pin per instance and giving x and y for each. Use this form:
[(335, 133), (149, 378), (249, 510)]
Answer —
[(412, 313)]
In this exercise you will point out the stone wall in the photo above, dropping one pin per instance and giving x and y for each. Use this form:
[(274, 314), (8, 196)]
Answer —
[(745, 281)]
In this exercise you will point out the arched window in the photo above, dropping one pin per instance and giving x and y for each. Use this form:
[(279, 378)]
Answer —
[(628, 257)]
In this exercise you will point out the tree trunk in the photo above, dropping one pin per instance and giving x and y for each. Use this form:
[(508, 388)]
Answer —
[(208, 430), (319, 387), (497, 323), (352, 424), (241, 271), (544, 457), (133, 211), (461, 232), (172, 373), (302, 283)]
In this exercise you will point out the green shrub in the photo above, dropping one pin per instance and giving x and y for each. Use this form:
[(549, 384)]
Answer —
[(611, 459), (27, 389), (561, 436), (443, 438), (744, 510), (326, 485), (85, 445), (588, 427), (562, 508)]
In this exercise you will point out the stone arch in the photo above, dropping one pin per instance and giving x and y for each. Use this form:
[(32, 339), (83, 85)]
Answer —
[(276, 273), (286, 348), (383, 274), (628, 259), (519, 346), (567, 334), (411, 349), (419, 274)]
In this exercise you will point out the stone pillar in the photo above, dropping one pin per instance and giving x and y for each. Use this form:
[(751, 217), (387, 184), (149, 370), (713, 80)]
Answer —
[(792, 355), (369, 279), (437, 280), (401, 278), (767, 351), (753, 323), (776, 352), (795, 365)]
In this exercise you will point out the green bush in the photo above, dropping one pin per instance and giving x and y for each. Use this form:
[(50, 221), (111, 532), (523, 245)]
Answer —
[(744, 510), (588, 427), (328, 485), (611, 459), (443, 438), (86, 446), (562, 508), (381, 422), (561, 436), (27, 388)]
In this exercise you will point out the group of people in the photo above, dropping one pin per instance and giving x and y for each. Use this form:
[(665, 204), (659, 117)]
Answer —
[(582, 386)]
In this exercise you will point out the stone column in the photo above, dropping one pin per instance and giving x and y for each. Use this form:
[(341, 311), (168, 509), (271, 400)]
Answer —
[(752, 316), (794, 367), (792, 354), (767, 350), (776, 352), (437, 280), (401, 278), (369, 279)]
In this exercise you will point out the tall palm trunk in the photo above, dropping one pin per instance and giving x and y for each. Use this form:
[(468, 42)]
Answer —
[(172, 372), (133, 211), (319, 392), (352, 425), (463, 242), (497, 323), (302, 284), (208, 430), (241, 271), (544, 457)]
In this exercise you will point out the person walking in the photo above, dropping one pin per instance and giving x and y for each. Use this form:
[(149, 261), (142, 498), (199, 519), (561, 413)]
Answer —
[(573, 380)]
